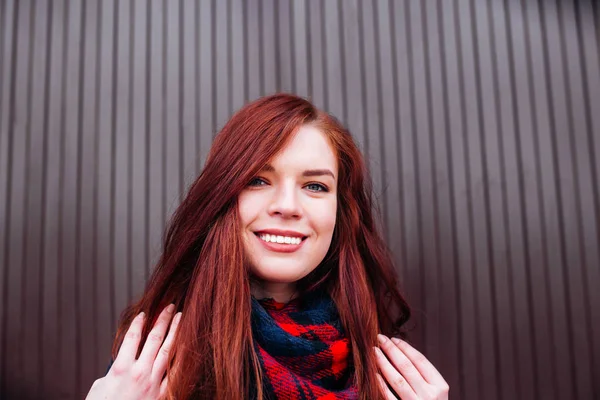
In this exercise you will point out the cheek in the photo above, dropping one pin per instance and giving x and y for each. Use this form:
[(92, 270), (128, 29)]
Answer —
[(248, 208), (324, 218)]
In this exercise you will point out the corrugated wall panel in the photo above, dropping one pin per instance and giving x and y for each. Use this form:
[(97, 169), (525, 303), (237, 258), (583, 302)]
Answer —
[(479, 119)]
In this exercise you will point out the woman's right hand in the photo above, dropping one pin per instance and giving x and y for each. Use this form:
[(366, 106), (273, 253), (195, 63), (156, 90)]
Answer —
[(131, 379)]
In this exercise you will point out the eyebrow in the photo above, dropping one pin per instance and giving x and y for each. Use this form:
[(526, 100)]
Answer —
[(306, 173)]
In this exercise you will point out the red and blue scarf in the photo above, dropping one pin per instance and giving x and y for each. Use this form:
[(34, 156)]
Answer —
[(303, 350)]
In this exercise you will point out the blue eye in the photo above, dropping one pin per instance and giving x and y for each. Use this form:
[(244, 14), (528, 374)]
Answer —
[(257, 182), (318, 186)]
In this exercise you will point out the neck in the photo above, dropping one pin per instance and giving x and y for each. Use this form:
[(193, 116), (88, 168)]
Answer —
[(280, 292)]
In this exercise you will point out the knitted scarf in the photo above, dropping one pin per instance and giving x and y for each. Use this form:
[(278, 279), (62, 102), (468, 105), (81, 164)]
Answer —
[(302, 348)]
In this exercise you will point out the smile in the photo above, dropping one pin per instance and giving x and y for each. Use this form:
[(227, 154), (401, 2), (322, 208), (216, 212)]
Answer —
[(280, 239), (280, 243)]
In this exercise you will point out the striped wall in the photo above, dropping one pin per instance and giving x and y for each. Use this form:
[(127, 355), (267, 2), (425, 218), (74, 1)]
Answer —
[(480, 119)]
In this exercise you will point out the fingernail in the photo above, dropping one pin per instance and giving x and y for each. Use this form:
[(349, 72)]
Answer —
[(141, 315), (171, 308), (177, 317), (382, 339), (396, 340), (378, 352)]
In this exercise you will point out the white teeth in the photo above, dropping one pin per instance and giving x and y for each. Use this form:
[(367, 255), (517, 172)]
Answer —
[(280, 239)]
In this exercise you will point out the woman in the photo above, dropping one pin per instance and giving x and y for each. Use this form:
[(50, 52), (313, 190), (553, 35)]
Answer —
[(279, 276)]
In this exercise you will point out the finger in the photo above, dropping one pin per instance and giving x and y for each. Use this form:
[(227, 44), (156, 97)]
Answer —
[(162, 358), (131, 342), (426, 368), (156, 336), (386, 390), (394, 378), (162, 394), (403, 364)]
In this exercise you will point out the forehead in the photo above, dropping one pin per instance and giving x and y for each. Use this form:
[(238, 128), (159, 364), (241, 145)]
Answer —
[(308, 148)]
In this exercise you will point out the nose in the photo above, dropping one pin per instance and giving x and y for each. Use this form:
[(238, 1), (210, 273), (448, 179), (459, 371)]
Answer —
[(285, 202)]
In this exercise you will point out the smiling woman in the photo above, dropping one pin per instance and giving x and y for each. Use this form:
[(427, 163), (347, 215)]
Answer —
[(281, 278)]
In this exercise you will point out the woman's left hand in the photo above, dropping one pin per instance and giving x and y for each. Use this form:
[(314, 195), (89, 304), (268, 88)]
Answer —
[(408, 372)]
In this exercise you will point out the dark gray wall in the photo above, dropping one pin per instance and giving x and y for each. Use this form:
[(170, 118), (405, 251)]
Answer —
[(480, 120)]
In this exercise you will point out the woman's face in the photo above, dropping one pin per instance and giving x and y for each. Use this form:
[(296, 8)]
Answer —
[(288, 213)]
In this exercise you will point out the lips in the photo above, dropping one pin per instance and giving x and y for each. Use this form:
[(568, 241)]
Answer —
[(280, 232), (281, 247)]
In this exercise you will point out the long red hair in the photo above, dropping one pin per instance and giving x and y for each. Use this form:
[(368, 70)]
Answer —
[(203, 269)]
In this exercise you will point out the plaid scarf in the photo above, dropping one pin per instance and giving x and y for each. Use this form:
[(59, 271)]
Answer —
[(302, 348)]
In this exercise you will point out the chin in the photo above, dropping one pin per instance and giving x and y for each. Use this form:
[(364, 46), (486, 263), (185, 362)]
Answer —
[(280, 273)]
